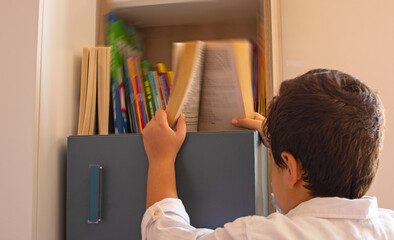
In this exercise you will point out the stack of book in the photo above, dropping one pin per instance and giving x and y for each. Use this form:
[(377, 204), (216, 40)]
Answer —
[(138, 89), (94, 92)]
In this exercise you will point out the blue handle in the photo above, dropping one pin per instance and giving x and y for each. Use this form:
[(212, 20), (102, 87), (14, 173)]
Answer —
[(95, 193)]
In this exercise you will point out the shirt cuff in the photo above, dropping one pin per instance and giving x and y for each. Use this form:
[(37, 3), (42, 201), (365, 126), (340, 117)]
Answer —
[(167, 206)]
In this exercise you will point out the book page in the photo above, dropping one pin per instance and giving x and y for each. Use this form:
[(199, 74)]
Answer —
[(185, 97), (190, 105), (221, 97)]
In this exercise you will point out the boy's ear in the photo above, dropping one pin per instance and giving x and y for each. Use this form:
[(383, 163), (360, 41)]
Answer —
[(294, 169)]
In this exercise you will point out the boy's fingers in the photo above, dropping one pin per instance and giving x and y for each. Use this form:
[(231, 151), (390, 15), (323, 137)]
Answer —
[(248, 123), (258, 116), (181, 127), (161, 115)]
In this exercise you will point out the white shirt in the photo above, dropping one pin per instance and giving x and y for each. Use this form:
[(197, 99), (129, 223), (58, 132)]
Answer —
[(318, 218)]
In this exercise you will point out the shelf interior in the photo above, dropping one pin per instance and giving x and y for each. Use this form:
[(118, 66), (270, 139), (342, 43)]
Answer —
[(151, 13), (163, 22)]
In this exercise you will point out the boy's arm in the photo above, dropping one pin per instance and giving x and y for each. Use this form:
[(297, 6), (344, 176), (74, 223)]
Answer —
[(161, 145)]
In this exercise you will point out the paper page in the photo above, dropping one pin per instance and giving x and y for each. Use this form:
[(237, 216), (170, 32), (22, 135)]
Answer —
[(190, 106), (221, 98), (191, 103), (185, 98)]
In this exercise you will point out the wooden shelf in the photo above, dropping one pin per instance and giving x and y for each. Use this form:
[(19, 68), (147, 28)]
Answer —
[(151, 13)]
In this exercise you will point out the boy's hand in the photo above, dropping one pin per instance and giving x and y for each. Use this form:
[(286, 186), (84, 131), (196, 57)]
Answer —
[(161, 143), (255, 123)]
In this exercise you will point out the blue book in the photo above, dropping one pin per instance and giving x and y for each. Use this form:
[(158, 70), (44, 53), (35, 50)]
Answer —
[(119, 123)]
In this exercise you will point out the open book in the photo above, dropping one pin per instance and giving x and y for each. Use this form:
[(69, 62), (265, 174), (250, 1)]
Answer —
[(212, 84)]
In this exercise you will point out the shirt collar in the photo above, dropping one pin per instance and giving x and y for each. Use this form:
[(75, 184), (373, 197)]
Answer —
[(335, 207)]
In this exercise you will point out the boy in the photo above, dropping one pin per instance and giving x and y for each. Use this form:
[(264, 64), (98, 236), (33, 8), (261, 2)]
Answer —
[(324, 131)]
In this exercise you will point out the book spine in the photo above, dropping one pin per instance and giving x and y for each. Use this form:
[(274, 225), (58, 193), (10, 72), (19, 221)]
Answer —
[(117, 72), (153, 87), (116, 76), (118, 125), (137, 68), (170, 79), (160, 89), (162, 79), (122, 100), (255, 76), (130, 98), (136, 98), (167, 81), (148, 90)]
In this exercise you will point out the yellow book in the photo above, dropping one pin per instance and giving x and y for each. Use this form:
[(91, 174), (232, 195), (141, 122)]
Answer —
[(103, 88), (89, 118), (84, 83)]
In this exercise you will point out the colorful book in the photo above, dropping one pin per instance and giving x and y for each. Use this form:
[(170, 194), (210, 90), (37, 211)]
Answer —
[(140, 89), (133, 116), (162, 69), (160, 90), (125, 41), (155, 89), (114, 34), (149, 100), (120, 109), (163, 85), (136, 96)]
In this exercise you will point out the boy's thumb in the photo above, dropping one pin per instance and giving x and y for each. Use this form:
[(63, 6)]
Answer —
[(181, 127)]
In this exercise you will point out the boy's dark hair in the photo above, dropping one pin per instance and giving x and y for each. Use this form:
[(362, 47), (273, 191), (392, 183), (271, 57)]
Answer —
[(332, 123)]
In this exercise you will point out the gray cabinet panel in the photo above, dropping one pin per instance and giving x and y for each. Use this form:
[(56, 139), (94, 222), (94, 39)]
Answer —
[(215, 173)]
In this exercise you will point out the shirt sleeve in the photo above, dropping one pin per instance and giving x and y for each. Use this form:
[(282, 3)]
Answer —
[(167, 219)]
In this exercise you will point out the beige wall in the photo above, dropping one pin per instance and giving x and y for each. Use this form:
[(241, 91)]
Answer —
[(68, 26), (355, 36), (18, 48)]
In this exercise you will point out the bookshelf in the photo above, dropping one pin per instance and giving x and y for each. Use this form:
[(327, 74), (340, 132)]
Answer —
[(68, 26)]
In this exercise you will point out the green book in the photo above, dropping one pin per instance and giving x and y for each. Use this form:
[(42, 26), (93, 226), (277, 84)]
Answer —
[(150, 102)]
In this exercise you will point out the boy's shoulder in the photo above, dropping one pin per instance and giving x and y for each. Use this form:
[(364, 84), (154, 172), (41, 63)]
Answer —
[(322, 218), (386, 212)]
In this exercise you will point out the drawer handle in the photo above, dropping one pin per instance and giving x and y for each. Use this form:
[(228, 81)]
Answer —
[(95, 193)]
